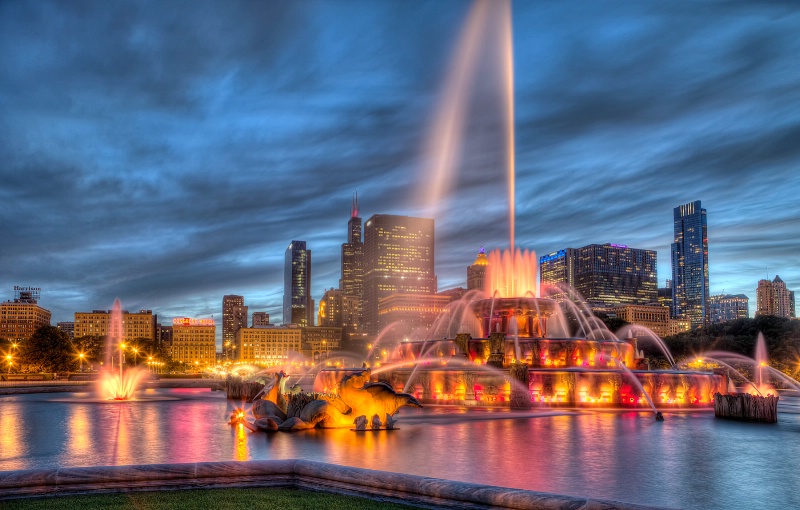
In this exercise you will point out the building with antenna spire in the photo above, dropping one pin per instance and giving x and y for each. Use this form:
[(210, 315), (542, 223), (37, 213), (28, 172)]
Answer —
[(351, 282)]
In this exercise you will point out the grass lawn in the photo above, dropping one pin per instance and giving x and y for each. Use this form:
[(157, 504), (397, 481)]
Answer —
[(206, 499)]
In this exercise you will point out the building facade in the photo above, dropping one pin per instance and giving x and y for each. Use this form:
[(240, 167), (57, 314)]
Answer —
[(556, 273), (690, 264), (268, 345), (68, 328), (141, 324), (194, 343), (298, 306), (653, 317), (320, 341), (234, 317), (605, 275), (773, 298), (398, 259), (260, 319), (338, 310), (414, 311), (728, 307), (20, 318)]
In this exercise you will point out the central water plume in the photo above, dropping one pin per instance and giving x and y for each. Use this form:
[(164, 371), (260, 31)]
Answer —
[(512, 273), (481, 73)]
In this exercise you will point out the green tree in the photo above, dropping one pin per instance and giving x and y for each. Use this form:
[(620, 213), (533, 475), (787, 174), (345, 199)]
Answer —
[(48, 350)]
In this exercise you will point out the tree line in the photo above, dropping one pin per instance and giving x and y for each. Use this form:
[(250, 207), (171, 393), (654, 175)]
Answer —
[(51, 350)]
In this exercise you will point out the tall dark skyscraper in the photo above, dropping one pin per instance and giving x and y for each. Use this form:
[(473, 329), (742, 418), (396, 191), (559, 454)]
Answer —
[(690, 264), (298, 307), (604, 274), (398, 258), (234, 317), (352, 281)]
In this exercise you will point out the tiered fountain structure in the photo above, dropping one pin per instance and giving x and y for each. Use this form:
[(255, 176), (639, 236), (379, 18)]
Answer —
[(497, 348)]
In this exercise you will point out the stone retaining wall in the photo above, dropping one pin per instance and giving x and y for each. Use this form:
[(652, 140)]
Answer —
[(304, 474)]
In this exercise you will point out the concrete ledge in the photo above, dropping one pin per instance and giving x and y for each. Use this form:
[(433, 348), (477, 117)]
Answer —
[(409, 489)]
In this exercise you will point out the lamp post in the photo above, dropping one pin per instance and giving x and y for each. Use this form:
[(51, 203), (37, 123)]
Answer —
[(135, 353), (81, 356), (8, 359), (150, 363)]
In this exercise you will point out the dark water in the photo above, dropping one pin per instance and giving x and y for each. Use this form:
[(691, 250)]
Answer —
[(691, 460)]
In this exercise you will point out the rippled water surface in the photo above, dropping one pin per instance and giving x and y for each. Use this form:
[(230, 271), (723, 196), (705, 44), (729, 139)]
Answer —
[(691, 460)]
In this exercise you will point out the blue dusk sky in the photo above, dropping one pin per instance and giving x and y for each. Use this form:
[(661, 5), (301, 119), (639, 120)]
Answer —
[(167, 152)]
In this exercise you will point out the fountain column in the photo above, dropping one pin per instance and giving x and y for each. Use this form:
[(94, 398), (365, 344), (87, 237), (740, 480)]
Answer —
[(497, 342), (462, 341), (520, 386)]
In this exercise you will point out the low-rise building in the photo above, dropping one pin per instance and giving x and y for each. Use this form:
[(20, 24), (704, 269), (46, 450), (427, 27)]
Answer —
[(141, 324), (20, 318), (194, 342), (416, 311), (320, 341), (267, 345)]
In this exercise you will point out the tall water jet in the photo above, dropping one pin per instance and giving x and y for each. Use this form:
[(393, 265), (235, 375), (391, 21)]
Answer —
[(761, 359), (445, 140), (122, 385), (508, 89)]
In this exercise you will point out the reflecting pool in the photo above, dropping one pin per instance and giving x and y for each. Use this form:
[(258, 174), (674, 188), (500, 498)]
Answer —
[(691, 460)]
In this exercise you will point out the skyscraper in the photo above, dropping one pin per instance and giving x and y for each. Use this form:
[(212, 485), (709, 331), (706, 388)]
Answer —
[(690, 264), (351, 282), (398, 258), (298, 307), (604, 274), (234, 317), (476, 273)]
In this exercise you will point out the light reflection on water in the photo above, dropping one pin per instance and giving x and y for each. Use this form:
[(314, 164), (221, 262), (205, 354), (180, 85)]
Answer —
[(691, 460)]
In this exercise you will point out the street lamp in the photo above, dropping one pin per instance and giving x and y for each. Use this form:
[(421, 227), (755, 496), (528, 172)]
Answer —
[(81, 356), (8, 359), (150, 363), (135, 353)]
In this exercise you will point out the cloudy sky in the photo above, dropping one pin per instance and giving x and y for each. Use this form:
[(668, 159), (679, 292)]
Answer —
[(166, 153)]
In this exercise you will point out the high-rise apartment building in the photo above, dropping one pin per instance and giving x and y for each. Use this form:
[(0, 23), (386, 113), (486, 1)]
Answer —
[(605, 275), (260, 319), (398, 258), (476, 273), (234, 317), (298, 307), (690, 264), (728, 307), (20, 318), (351, 282), (773, 298), (141, 324)]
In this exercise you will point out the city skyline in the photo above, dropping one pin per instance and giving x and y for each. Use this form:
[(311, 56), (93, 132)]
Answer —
[(172, 167)]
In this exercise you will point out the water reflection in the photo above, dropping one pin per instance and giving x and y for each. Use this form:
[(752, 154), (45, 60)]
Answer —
[(691, 460)]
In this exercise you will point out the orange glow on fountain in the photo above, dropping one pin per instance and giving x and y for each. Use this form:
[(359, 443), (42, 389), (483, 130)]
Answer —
[(116, 386), (510, 275)]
